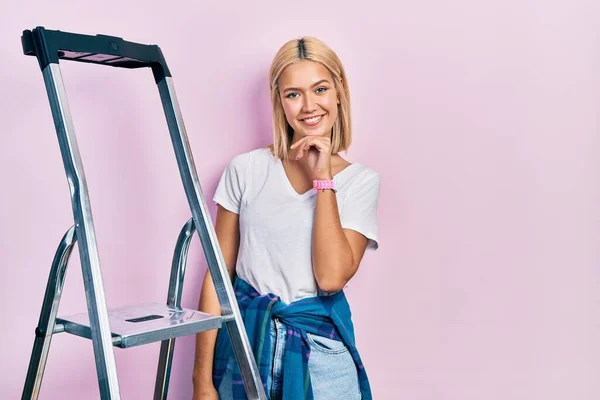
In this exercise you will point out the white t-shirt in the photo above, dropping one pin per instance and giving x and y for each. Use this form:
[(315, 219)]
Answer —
[(275, 221)]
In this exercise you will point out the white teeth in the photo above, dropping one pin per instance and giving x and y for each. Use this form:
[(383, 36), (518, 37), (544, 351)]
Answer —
[(313, 119)]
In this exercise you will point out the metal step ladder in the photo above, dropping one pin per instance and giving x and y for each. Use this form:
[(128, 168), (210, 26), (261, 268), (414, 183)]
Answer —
[(138, 324)]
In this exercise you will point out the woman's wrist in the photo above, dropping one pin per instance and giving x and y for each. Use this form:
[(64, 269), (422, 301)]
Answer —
[(201, 378), (323, 176)]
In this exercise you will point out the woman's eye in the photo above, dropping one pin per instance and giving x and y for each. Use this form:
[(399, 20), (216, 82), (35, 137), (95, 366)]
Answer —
[(292, 95), (321, 89)]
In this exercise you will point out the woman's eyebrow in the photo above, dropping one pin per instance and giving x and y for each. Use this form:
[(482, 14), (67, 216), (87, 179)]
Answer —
[(313, 85)]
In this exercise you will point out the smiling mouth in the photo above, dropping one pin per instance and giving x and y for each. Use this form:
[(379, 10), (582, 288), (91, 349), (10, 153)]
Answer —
[(312, 120)]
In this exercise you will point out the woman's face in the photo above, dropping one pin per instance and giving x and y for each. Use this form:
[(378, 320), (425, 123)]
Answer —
[(309, 98)]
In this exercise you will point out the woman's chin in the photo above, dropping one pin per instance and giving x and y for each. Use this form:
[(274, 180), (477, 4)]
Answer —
[(313, 132)]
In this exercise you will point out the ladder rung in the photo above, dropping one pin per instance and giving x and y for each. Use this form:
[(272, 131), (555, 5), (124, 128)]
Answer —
[(145, 323)]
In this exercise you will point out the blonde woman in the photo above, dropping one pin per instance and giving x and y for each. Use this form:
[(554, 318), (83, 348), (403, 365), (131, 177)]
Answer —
[(294, 220)]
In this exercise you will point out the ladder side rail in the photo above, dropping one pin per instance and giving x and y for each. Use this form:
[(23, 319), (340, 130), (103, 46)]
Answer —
[(206, 232), (167, 347), (47, 320), (86, 235)]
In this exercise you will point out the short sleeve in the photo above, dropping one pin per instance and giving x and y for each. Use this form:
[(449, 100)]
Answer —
[(229, 190), (359, 211)]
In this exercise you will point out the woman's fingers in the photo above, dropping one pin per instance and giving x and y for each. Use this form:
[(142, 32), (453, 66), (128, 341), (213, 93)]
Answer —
[(297, 143), (308, 143), (304, 144)]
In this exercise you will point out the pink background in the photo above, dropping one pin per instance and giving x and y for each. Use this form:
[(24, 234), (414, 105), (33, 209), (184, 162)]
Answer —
[(482, 118)]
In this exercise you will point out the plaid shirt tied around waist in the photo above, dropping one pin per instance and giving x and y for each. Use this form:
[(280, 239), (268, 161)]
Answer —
[(327, 316)]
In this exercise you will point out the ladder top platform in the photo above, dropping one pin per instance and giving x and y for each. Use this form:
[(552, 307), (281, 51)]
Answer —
[(50, 46)]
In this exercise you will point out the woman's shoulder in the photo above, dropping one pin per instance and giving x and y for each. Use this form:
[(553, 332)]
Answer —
[(358, 172), (251, 157)]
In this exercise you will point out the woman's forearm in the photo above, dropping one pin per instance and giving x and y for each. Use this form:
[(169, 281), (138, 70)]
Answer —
[(205, 341), (227, 230), (333, 262)]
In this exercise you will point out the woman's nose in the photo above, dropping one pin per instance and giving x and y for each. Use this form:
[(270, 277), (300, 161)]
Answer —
[(309, 104)]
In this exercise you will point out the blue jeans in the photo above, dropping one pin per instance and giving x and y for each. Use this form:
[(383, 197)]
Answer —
[(332, 370)]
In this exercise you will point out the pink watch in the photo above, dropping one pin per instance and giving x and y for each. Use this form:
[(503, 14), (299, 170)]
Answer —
[(324, 185)]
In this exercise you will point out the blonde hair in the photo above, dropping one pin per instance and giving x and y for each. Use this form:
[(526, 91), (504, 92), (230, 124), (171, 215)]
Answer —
[(309, 49)]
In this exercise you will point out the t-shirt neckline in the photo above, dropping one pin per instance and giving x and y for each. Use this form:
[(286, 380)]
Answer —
[(289, 185)]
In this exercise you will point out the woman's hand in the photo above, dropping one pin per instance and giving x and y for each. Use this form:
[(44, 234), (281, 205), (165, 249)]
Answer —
[(317, 149)]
